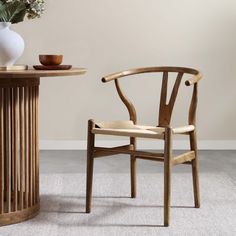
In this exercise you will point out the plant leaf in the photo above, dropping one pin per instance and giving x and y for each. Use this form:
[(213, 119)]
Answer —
[(12, 12), (3, 15)]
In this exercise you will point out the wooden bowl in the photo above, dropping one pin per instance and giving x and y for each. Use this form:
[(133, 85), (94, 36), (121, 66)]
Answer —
[(50, 60)]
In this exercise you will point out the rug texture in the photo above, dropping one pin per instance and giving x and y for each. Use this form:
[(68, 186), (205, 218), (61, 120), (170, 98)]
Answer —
[(114, 213)]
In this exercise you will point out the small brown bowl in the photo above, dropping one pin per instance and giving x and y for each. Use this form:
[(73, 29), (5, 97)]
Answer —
[(50, 60)]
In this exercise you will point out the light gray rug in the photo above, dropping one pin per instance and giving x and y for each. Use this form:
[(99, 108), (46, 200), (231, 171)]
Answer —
[(114, 213)]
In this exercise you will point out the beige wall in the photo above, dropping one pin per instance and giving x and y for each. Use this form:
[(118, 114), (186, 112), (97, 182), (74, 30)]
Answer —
[(107, 36)]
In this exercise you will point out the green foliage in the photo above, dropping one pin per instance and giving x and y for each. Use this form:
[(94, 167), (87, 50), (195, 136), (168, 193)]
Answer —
[(13, 12)]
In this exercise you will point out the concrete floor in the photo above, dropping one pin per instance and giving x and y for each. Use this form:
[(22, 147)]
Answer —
[(75, 162)]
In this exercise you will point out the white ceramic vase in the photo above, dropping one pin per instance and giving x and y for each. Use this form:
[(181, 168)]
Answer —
[(11, 45)]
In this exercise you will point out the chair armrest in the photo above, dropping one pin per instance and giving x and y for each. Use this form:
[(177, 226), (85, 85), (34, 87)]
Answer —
[(183, 129), (194, 80), (114, 76)]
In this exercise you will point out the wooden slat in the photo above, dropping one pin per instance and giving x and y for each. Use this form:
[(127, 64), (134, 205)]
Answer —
[(22, 150), (26, 144), (102, 152), (185, 157), (1, 152), (30, 149), (163, 109), (151, 158), (36, 143), (33, 144), (8, 148), (174, 92), (12, 145), (15, 149), (166, 109), (121, 150)]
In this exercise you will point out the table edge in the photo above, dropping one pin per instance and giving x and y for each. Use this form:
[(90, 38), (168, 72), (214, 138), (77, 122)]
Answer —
[(41, 73)]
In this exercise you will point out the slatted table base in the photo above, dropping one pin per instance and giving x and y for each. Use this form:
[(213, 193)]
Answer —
[(19, 159)]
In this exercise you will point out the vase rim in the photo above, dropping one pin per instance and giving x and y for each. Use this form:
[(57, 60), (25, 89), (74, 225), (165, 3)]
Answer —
[(4, 25)]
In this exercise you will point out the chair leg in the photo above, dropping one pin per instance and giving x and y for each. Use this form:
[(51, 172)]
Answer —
[(195, 170), (90, 163), (133, 170), (167, 175)]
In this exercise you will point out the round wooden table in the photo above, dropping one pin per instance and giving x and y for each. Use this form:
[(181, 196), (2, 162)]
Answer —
[(19, 149)]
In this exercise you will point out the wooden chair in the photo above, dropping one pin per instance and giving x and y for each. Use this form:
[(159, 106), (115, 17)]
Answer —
[(162, 131)]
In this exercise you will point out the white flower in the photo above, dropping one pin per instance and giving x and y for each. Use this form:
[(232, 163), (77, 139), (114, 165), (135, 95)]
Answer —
[(35, 8)]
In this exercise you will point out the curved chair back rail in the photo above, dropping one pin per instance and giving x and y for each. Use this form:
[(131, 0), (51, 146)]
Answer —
[(196, 74), (166, 107)]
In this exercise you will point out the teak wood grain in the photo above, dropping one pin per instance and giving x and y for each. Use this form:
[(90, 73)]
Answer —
[(31, 73), (19, 146), (163, 121)]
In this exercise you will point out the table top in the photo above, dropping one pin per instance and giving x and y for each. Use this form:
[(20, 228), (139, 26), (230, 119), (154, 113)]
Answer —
[(32, 73)]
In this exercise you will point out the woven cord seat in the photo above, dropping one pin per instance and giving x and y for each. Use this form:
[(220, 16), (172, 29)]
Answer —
[(128, 128)]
